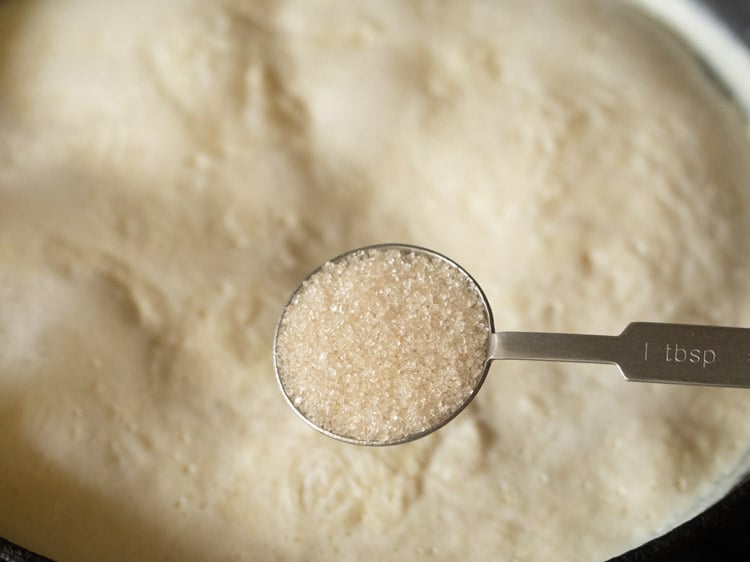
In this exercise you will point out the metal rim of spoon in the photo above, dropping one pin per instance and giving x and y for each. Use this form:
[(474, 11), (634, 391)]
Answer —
[(643, 351)]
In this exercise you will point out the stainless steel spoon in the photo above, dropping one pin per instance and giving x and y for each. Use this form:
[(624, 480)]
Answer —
[(644, 352)]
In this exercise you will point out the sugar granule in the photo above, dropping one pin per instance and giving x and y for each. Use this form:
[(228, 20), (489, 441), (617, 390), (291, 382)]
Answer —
[(384, 344)]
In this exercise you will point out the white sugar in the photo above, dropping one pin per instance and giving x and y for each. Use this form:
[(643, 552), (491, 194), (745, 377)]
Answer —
[(383, 344)]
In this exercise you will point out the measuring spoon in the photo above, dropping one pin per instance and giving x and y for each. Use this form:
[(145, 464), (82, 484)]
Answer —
[(643, 352)]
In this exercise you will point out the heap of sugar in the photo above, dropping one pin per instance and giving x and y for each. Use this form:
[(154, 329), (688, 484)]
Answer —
[(383, 344)]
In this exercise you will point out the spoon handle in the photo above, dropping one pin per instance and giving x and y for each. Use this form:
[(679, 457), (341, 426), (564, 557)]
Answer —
[(644, 351)]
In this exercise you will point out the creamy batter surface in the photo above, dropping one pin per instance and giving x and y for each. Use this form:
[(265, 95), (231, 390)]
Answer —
[(170, 171)]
